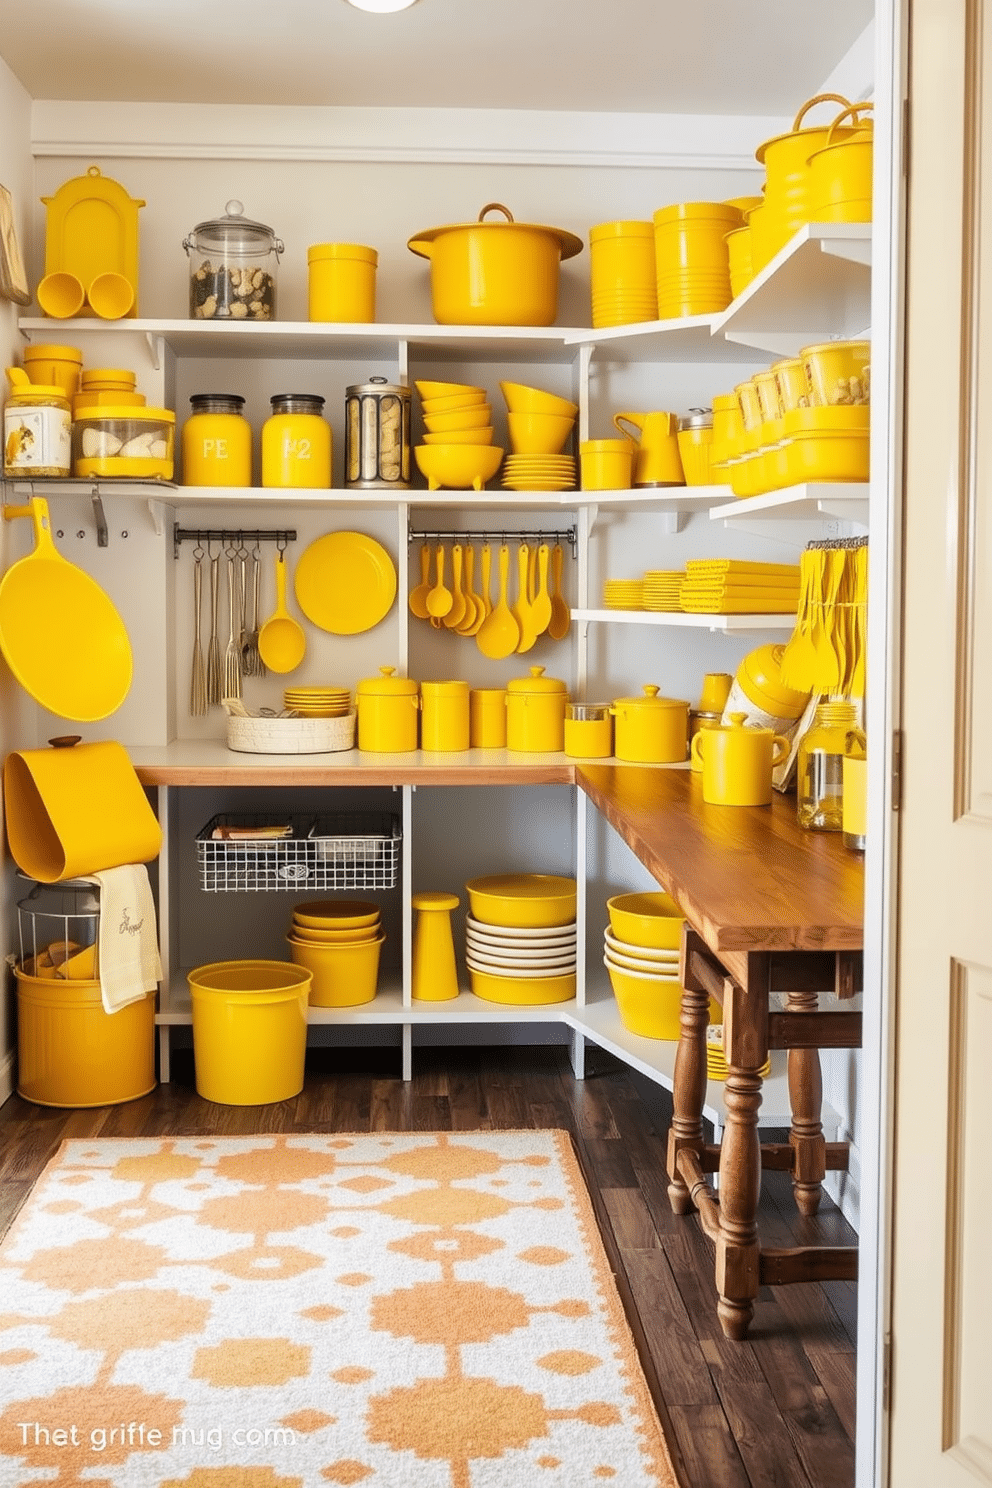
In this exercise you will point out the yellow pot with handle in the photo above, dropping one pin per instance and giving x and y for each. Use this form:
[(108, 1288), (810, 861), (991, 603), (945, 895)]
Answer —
[(840, 174), (657, 461), (737, 762), (788, 203)]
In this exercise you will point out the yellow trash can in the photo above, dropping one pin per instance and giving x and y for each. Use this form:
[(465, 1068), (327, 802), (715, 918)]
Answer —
[(70, 1052), (249, 1030)]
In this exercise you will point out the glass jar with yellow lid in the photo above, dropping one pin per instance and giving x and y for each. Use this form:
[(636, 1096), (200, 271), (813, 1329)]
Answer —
[(37, 429)]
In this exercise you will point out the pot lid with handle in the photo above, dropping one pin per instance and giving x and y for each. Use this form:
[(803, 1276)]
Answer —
[(233, 232), (651, 699), (568, 244), (536, 682), (387, 684)]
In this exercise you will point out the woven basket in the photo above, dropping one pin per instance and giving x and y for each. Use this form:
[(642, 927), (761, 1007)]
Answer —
[(291, 735)]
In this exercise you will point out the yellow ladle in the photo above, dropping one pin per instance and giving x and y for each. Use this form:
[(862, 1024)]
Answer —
[(282, 642), (499, 633)]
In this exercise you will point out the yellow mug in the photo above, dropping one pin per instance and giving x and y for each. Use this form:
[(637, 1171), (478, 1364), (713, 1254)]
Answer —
[(737, 762), (715, 692)]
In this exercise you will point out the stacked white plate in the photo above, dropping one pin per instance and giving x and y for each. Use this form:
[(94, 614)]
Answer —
[(521, 964)]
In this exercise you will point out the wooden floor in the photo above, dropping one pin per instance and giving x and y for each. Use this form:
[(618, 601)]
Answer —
[(774, 1412)]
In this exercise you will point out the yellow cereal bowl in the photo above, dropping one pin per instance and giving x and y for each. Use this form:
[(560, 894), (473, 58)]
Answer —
[(521, 991), (343, 975), (646, 920), (476, 417), (527, 899), (648, 1005), (352, 935), (336, 914), (454, 403), (522, 399), (457, 466), (462, 436), (538, 433), (447, 389)]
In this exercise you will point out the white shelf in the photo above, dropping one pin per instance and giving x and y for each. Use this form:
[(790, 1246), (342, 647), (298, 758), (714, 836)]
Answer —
[(847, 500), (689, 339), (816, 288), (678, 617)]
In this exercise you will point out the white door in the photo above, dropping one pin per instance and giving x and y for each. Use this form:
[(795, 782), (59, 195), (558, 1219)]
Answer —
[(941, 1411)]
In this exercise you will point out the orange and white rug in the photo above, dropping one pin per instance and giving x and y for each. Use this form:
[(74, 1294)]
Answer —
[(398, 1310)]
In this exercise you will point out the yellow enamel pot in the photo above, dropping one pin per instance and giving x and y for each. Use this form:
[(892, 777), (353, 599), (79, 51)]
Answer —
[(786, 161), (650, 730), (495, 273), (535, 713)]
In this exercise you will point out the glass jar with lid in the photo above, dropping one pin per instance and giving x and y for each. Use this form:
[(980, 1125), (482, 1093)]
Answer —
[(216, 442), (296, 442), (37, 430), (232, 266), (820, 767)]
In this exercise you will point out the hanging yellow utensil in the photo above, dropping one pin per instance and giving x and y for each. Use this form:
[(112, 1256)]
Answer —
[(541, 605), (499, 633), (827, 673), (522, 610), (418, 596), (798, 655), (456, 614), (486, 579), (439, 600), (282, 642), (558, 626), (860, 620), (475, 610)]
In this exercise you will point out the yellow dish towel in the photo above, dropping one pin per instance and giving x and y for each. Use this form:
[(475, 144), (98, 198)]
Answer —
[(129, 959)]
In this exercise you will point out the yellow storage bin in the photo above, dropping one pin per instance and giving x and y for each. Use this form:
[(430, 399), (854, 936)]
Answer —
[(648, 1004), (249, 1030), (70, 1052), (345, 973)]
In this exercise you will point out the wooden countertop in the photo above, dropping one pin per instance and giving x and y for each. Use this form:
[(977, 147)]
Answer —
[(748, 878)]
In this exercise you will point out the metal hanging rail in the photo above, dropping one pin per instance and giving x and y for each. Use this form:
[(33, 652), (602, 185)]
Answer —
[(238, 537), (499, 534)]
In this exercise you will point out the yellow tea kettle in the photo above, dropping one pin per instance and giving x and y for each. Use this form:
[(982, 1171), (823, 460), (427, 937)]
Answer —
[(658, 461)]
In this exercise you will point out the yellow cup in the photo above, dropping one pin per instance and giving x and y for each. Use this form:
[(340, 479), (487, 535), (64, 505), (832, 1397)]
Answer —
[(111, 296), (61, 296), (341, 284), (487, 717), (737, 762), (715, 692), (58, 365), (444, 722), (606, 464)]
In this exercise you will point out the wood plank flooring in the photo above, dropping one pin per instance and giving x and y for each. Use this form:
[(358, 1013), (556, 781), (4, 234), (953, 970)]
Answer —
[(774, 1412)]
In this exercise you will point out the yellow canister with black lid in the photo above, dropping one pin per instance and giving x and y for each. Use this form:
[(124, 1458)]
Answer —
[(216, 442), (388, 707)]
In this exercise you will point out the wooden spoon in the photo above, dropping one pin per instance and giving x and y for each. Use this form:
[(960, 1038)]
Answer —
[(560, 618), (456, 614), (418, 596), (541, 605), (499, 633), (440, 599)]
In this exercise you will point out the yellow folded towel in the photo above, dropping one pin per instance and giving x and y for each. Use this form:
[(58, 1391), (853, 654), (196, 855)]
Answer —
[(129, 960)]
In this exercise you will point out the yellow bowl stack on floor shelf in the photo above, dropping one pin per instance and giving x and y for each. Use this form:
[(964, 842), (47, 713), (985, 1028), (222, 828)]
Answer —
[(521, 938), (339, 942)]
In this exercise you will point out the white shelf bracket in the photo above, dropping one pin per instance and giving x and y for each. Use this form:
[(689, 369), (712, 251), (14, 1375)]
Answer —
[(156, 346), (403, 363), (156, 510), (855, 250)]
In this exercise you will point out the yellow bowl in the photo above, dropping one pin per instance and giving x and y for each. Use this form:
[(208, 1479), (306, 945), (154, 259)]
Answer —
[(538, 433), (350, 936), (522, 991), (647, 1004), (457, 466), (522, 399), (453, 403), (343, 975), (652, 958), (652, 919), (462, 436), (849, 418), (335, 914), (447, 389), (527, 899), (819, 456), (476, 417)]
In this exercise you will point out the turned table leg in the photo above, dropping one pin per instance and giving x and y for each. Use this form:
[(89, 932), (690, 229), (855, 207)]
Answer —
[(737, 1248), (689, 1083), (806, 1098)]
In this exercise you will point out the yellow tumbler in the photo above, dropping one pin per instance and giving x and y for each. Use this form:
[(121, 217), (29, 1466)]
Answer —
[(435, 975)]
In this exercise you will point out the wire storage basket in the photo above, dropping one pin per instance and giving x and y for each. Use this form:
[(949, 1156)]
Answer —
[(59, 928), (343, 850)]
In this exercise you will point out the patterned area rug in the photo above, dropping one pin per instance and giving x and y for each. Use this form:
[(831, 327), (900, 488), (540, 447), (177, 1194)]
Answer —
[(398, 1310)]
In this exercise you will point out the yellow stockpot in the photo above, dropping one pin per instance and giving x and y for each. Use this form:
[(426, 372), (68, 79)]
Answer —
[(444, 724), (786, 161), (535, 713), (651, 730), (387, 712), (840, 174), (495, 273), (77, 810), (738, 761)]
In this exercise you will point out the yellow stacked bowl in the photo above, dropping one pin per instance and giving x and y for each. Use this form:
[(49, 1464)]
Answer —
[(339, 943), (642, 959)]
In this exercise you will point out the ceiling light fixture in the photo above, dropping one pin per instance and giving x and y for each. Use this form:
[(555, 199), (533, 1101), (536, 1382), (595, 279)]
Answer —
[(382, 7)]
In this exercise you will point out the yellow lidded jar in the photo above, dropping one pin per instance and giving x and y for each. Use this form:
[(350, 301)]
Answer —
[(535, 713), (216, 442), (296, 443), (387, 713), (445, 721), (37, 430), (651, 730)]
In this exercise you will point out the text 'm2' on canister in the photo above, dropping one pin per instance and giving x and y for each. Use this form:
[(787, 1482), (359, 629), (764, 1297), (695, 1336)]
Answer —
[(296, 443), (216, 442)]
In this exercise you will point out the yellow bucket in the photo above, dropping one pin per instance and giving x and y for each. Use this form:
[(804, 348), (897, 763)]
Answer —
[(249, 1030), (648, 1005), (70, 1052), (840, 174), (342, 282), (786, 162)]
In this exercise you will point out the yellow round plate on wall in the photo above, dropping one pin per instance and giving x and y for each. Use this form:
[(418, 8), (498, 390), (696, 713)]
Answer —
[(345, 582)]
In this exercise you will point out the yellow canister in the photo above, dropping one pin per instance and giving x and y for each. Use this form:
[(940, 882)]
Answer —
[(61, 365), (695, 439), (387, 713), (72, 1053), (341, 282), (37, 430), (444, 723), (296, 443), (487, 717), (75, 811), (651, 730), (535, 713), (216, 442), (588, 731)]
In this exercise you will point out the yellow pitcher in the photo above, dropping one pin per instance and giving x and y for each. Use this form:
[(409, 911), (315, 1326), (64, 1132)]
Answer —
[(737, 762), (658, 461)]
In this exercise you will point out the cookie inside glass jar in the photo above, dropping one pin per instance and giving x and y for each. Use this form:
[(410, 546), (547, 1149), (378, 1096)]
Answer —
[(233, 263)]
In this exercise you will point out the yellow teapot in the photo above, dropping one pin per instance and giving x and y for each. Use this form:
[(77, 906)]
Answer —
[(737, 762), (658, 461)]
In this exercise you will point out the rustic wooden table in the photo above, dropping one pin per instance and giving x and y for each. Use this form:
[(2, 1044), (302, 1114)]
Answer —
[(769, 908)]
